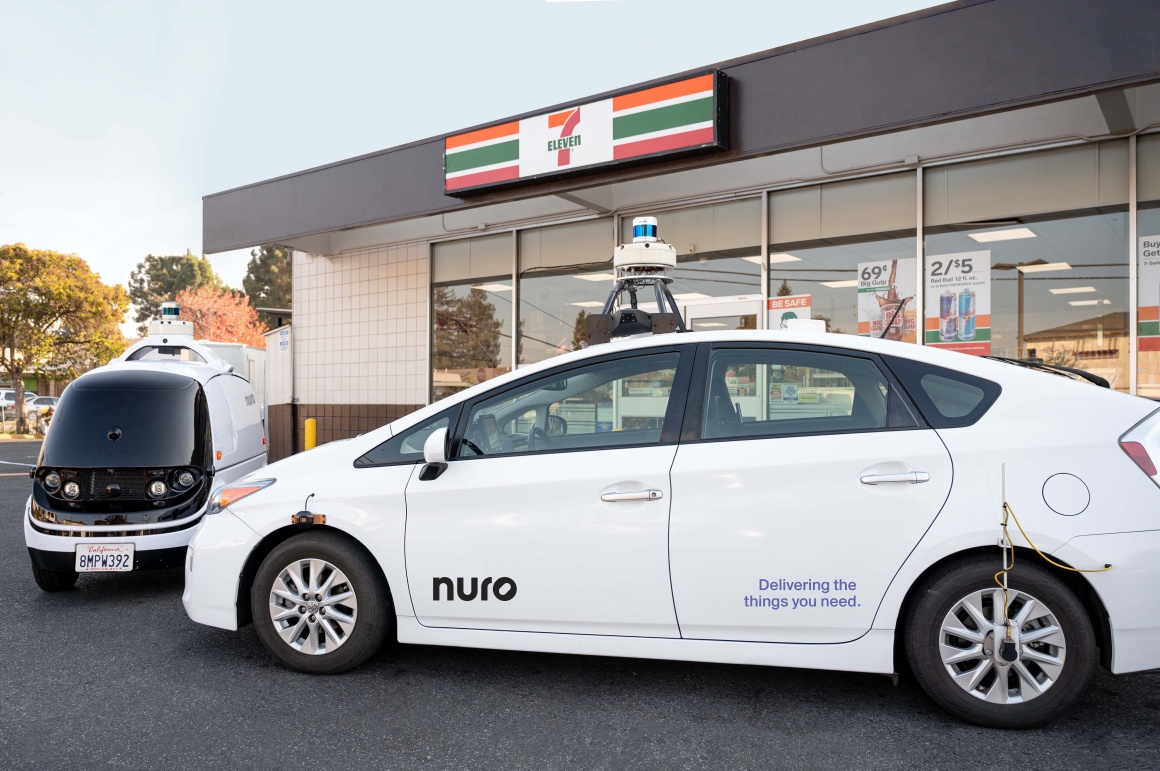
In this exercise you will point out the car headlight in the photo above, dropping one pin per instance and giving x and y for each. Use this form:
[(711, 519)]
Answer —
[(230, 494), (71, 490), (158, 489), (185, 479), (52, 481)]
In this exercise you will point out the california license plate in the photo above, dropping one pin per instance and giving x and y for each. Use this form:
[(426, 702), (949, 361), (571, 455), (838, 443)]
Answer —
[(104, 557)]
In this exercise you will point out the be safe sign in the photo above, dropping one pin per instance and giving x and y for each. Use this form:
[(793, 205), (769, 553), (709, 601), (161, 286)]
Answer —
[(676, 118)]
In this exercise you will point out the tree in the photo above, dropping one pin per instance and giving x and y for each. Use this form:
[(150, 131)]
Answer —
[(267, 280), (222, 315), (579, 337), (784, 290), (54, 313), (467, 331), (159, 279)]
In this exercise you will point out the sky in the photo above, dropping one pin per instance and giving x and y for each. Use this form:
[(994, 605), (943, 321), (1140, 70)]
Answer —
[(117, 117)]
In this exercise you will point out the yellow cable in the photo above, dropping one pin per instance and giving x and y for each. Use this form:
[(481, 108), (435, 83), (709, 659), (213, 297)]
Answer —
[(1008, 510)]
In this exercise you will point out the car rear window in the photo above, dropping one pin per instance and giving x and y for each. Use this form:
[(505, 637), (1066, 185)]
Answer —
[(947, 398)]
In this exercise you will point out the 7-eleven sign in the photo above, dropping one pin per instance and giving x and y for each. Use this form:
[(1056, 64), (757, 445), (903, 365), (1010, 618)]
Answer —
[(567, 122)]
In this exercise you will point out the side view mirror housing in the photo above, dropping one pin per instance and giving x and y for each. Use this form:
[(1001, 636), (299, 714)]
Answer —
[(434, 455)]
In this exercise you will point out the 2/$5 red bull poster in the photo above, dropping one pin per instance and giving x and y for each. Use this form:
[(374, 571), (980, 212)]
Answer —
[(958, 302), (886, 300)]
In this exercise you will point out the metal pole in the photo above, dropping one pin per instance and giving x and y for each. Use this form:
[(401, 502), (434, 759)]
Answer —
[(763, 316), (920, 253), (515, 299), (1019, 338), (1133, 273)]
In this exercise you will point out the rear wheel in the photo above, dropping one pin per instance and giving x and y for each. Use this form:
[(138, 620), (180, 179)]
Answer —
[(956, 639), (53, 580), (319, 604)]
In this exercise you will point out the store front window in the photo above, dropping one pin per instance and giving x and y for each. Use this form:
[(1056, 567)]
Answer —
[(1045, 238), (718, 250), (471, 309), (845, 253), (565, 274), (1148, 255)]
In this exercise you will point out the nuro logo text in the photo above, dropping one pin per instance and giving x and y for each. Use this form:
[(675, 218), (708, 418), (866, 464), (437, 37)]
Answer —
[(503, 589)]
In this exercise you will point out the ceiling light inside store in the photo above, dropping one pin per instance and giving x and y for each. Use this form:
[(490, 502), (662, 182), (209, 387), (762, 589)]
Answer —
[(1073, 290), (704, 324), (492, 287), (595, 276), (1083, 302), (1011, 234), (840, 284), (589, 304), (774, 258), (1043, 267), (691, 296)]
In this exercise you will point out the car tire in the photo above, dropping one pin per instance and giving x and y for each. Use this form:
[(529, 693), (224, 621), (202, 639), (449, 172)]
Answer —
[(54, 580), (314, 641), (967, 676)]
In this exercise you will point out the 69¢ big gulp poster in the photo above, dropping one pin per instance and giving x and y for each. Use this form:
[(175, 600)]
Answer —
[(886, 300)]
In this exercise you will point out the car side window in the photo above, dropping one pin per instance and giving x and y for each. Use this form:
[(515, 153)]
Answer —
[(407, 445), (614, 403), (776, 392), (946, 398)]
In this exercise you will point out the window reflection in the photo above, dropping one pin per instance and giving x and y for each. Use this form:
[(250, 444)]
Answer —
[(554, 305), (1147, 250), (828, 273), (471, 338), (1059, 288)]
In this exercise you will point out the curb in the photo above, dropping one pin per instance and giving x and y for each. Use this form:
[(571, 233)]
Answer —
[(19, 437)]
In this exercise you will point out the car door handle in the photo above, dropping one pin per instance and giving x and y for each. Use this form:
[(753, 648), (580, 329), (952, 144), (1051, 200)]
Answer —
[(907, 477), (637, 495)]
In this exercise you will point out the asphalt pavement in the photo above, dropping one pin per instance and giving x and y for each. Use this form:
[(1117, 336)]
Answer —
[(113, 675)]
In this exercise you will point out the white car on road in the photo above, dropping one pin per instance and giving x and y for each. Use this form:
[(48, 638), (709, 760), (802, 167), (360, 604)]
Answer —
[(780, 498)]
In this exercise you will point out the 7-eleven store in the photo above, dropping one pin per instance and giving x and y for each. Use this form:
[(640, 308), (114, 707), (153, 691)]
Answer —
[(955, 177)]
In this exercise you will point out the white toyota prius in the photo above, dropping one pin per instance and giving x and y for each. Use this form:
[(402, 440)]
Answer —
[(779, 498)]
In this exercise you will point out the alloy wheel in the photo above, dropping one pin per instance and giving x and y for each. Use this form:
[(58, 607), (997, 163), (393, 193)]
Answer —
[(313, 606), (971, 638)]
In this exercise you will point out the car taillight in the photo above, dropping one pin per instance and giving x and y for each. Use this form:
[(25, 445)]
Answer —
[(1137, 453)]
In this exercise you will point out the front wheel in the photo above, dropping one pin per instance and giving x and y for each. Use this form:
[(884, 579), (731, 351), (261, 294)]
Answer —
[(958, 645), (319, 604)]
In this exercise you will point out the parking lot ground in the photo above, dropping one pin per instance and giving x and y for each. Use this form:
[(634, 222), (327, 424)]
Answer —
[(113, 675)]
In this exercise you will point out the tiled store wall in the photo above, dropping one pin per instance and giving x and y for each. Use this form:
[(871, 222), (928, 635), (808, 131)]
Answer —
[(360, 338)]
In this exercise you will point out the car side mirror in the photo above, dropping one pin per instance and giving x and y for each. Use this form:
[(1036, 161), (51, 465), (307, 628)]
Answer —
[(434, 455)]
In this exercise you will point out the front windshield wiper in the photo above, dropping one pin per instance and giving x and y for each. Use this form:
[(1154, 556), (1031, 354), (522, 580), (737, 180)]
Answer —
[(1055, 369)]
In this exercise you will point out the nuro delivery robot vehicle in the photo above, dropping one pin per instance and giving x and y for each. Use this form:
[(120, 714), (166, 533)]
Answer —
[(132, 454)]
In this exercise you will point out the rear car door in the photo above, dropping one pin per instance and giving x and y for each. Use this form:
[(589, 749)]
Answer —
[(789, 521), (552, 513)]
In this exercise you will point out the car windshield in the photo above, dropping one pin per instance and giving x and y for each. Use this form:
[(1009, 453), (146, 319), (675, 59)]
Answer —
[(129, 419)]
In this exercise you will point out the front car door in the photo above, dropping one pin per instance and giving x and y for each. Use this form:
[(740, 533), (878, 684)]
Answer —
[(789, 521), (552, 513)]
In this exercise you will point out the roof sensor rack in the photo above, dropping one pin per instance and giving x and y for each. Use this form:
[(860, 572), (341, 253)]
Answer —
[(639, 265)]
